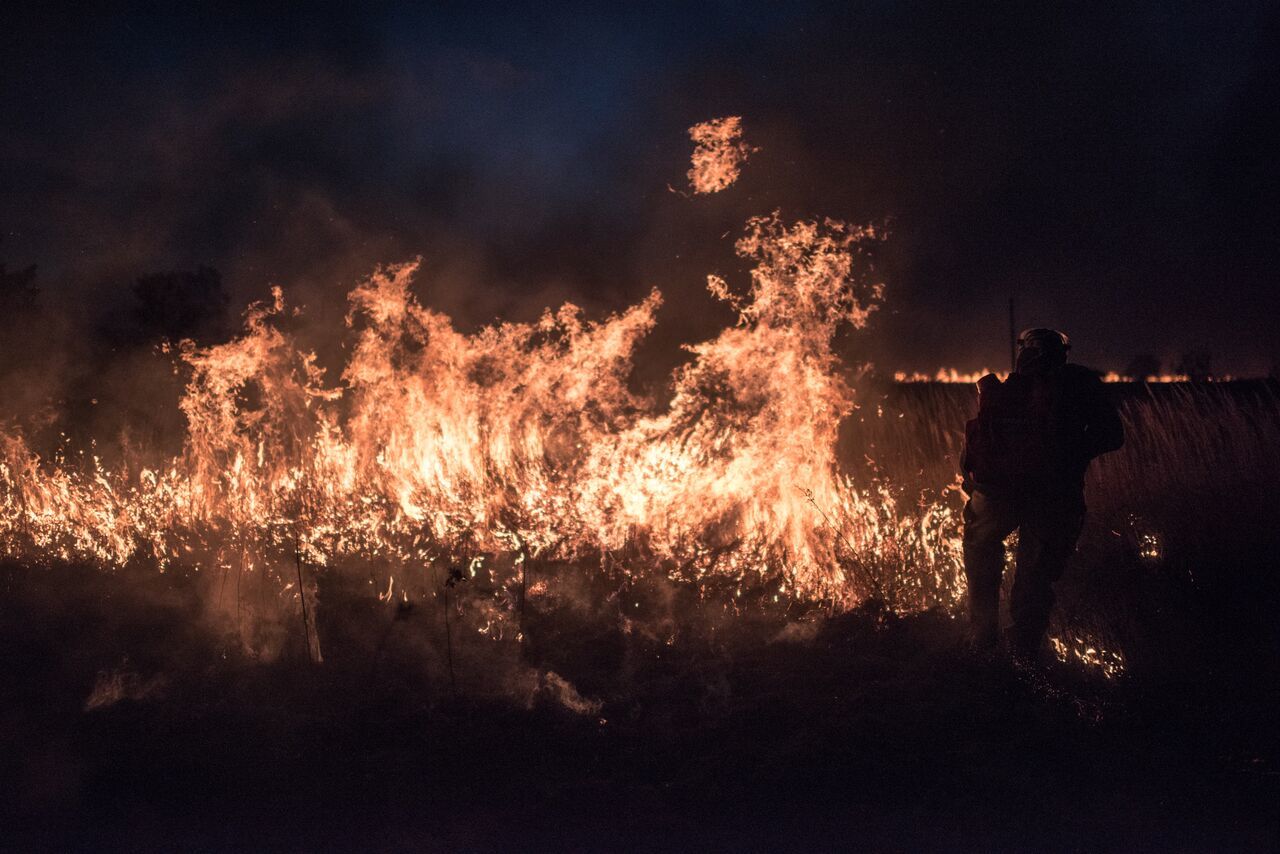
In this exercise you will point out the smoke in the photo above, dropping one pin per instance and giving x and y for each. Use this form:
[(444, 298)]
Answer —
[(528, 158)]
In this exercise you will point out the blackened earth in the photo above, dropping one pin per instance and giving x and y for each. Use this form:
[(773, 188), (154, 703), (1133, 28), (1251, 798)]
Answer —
[(738, 732)]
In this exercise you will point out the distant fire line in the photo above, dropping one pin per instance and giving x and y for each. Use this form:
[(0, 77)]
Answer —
[(951, 375)]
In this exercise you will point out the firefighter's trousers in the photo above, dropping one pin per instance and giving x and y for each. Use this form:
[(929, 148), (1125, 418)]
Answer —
[(1048, 527)]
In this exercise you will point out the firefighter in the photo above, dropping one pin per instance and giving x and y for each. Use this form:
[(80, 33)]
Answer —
[(1024, 463)]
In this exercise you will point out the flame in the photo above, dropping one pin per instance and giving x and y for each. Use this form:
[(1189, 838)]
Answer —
[(947, 375), (718, 154), (440, 450), (953, 375), (1113, 377), (522, 439)]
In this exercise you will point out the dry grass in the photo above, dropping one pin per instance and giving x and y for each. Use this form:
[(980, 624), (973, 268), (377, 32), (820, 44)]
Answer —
[(1183, 518)]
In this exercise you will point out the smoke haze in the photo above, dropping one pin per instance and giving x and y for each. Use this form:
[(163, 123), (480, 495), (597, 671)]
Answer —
[(1106, 168)]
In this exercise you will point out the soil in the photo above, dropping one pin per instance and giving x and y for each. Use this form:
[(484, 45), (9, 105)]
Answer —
[(133, 723)]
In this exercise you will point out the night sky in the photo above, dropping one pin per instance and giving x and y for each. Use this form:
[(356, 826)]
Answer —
[(1112, 166)]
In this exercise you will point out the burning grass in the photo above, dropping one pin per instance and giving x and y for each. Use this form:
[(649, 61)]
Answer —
[(521, 442), (767, 481)]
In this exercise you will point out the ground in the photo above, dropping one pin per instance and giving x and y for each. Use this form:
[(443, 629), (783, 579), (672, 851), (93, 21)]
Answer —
[(132, 725)]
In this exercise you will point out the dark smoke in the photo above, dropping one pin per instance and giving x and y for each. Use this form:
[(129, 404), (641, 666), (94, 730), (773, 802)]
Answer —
[(1101, 166)]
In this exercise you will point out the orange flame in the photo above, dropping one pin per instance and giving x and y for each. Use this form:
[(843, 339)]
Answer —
[(521, 439), (718, 154), (952, 375)]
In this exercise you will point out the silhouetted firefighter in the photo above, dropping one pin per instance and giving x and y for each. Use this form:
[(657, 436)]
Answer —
[(1024, 462)]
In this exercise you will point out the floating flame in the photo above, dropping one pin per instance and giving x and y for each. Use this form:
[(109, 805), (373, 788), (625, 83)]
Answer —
[(718, 154)]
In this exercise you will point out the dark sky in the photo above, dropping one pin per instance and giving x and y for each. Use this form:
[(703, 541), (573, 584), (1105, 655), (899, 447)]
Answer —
[(1113, 166)]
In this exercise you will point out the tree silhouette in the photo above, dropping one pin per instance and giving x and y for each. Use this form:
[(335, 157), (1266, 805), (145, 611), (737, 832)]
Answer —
[(179, 304), (1195, 365)]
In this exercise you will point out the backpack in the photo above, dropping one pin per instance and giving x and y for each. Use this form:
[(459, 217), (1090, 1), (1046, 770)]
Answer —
[(1013, 444)]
